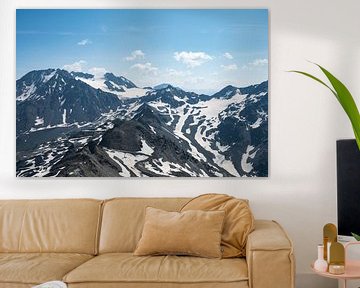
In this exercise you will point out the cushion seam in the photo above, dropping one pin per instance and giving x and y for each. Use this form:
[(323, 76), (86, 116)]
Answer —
[(153, 281), (98, 228), (63, 278), (22, 225)]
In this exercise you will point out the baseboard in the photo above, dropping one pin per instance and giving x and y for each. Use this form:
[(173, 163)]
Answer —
[(310, 280)]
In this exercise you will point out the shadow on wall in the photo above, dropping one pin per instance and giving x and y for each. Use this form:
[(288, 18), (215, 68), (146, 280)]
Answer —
[(315, 281)]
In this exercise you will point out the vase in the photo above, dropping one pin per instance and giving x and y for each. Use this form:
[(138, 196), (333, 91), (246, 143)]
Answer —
[(320, 264)]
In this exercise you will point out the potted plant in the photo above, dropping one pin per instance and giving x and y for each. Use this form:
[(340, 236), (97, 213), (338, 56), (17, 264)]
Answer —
[(347, 102)]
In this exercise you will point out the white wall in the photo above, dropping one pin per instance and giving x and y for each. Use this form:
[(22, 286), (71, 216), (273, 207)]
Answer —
[(305, 119)]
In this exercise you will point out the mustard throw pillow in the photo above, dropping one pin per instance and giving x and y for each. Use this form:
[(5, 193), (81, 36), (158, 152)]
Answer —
[(239, 220), (195, 233)]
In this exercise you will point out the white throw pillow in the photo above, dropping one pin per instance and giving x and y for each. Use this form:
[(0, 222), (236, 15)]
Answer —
[(51, 284)]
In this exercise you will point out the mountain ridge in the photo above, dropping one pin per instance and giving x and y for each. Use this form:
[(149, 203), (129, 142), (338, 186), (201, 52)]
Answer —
[(62, 120)]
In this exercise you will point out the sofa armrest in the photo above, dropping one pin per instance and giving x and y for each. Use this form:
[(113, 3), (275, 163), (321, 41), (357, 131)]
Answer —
[(269, 256)]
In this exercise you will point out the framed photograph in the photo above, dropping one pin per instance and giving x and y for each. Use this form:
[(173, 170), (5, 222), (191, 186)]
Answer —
[(142, 93)]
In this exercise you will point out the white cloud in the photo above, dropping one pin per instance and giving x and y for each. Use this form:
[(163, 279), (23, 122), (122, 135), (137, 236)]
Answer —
[(229, 67), (145, 68), (98, 72), (259, 62), (136, 54), (177, 73), (75, 67), (256, 63), (227, 55), (192, 59), (195, 80), (84, 42)]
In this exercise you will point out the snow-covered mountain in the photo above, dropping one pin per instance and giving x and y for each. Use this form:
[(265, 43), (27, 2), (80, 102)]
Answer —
[(108, 82), (52, 98), (165, 132)]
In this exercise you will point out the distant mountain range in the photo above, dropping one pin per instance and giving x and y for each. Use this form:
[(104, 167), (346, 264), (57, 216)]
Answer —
[(79, 124)]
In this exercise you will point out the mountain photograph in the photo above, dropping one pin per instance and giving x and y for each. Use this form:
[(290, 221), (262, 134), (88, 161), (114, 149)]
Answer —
[(122, 95)]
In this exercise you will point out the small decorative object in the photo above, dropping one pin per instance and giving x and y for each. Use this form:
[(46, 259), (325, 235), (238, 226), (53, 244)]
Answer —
[(337, 258), (329, 236), (320, 264), (341, 268), (336, 269), (328, 245)]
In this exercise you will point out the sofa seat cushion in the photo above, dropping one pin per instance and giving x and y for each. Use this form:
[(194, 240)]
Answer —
[(15, 285), (36, 268), (127, 268)]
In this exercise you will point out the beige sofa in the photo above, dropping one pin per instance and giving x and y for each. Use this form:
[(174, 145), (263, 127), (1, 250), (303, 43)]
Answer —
[(89, 243)]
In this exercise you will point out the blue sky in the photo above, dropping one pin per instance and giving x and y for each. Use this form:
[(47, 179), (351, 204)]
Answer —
[(198, 50)]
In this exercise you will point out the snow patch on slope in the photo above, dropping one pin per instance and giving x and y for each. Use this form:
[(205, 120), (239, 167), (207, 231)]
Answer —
[(257, 123), (99, 83), (48, 77), (126, 159), (133, 92), (145, 148), (64, 117), (28, 91), (166, 168), (245, 165), (39, 121)]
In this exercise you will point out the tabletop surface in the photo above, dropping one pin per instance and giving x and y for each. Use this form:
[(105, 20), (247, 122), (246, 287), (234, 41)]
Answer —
[(352, 271)]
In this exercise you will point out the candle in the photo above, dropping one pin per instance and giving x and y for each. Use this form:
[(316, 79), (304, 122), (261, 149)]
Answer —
[(336, 269)]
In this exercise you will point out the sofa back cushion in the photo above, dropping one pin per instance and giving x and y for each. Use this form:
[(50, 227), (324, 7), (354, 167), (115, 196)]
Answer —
[(238, 224), (123, 220), (66, 226)]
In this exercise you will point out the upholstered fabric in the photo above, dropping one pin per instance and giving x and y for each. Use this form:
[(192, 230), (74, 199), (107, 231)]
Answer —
[(15, 285), (127, 268), (237, 284), (36, 268), (64, 226), (193, 232), (269, 261), (269, 256), (123, 218), (239, 220)]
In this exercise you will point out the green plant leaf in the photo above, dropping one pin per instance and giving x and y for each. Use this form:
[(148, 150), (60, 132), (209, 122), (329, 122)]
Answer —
[(316, 79), (344, 97), (356, 236), (347, 102)]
